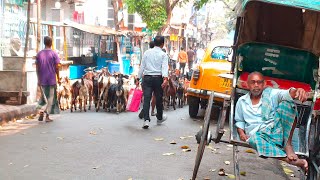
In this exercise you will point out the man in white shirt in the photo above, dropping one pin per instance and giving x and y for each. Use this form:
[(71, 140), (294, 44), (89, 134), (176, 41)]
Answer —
[(174, 57), (200, 54), (154, 73)]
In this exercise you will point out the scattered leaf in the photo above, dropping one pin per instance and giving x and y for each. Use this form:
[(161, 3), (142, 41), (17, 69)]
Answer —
[(26, 165), (227, 162), (229, 145), (96, 167), (212, 170), (186, 150), (60, 138), (287, 170), (182, 137), (158, 139), (93, 133), (250, 151), (243, 173), (211, 148), (168, 154), (173, 142), (184, 147), (222, 172), (44, 148), (231, 176)]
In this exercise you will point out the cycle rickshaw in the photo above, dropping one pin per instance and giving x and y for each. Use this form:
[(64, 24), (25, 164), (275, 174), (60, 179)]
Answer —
[(280, 39)]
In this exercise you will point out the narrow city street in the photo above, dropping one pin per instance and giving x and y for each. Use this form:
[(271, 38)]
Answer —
[(90, 145)]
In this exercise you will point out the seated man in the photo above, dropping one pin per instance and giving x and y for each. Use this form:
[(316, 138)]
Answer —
[(265, 118)]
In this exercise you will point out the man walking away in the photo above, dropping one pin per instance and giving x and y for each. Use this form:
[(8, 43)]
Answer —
[(182, 59), (174, 57), (191, 54), (200, 54), (47, 67), (154, 74)]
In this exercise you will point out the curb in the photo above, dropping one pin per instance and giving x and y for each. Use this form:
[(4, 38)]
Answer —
[(8, 113)]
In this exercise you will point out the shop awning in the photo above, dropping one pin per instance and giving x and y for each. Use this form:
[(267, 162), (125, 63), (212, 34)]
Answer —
[(98, 30)]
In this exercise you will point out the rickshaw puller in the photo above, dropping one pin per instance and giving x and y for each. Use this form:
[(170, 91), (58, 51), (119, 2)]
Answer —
[(266, 119)]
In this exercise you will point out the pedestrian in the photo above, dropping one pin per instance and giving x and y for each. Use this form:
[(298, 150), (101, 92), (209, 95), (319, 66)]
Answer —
[(153, 100), (191, 56), (154, 74), (173, 58), (182, 59), (47, 67), (200, 54)]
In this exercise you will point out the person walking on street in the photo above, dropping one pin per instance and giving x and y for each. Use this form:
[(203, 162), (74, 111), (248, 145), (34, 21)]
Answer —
[(182, 59), (173, 58), (47, 67), (153, 100), (154, 73), (200, 54), (191, 54)]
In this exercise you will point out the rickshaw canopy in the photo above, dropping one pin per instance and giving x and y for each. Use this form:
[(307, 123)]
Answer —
[(290, 23), (303, 4)]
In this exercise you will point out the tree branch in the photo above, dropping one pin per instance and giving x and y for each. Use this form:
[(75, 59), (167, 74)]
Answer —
[(227, 5), (174, 3)]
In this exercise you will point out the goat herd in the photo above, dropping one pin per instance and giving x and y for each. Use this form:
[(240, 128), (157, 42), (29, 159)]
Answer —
[(109, 91)]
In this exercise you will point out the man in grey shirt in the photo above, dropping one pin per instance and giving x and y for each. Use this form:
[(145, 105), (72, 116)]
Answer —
[(154, 74)]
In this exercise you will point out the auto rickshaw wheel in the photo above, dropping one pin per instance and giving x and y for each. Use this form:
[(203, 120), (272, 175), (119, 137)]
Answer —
[(193, 106), (204, 136)]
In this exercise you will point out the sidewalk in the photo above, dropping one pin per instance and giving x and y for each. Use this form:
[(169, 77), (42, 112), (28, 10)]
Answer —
[(9, 112)]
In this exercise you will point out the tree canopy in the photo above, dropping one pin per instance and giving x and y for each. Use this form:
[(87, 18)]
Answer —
[(152, 12)]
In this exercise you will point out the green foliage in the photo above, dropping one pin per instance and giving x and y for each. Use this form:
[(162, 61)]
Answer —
[(199, 3), (152, 12)]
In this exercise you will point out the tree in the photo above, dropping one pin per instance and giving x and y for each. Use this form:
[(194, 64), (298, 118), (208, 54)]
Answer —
[(152, 12), (117, 5), (157, 14)]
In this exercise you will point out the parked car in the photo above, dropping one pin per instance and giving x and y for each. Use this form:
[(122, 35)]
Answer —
[(212, 74)]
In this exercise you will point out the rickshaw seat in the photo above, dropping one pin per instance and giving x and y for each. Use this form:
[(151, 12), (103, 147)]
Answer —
[(304, 110)]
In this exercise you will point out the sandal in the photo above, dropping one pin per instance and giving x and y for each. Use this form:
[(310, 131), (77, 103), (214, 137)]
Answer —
[(40, 116), (48, 119)]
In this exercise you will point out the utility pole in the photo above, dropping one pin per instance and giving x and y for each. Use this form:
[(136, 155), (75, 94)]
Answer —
[(38, 25), (23, 76)]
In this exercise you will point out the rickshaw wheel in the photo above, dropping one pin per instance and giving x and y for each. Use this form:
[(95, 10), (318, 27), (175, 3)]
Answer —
[(205, 137), (314, 142)]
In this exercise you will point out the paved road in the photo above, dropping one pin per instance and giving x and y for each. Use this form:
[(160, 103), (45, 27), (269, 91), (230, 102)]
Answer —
[(109, 146)]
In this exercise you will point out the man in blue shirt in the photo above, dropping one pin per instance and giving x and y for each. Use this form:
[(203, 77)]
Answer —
[(266, 119)]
